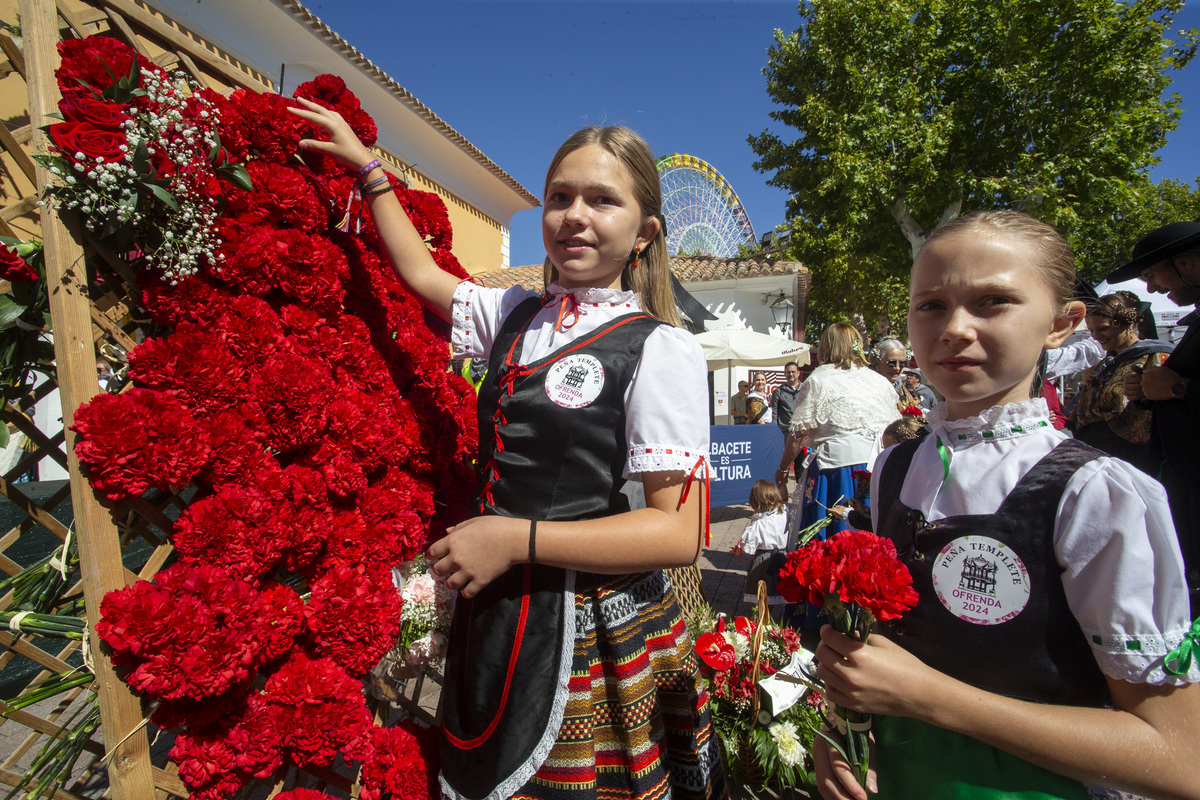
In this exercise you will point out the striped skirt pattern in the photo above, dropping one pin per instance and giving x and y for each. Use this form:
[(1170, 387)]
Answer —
[(637, 723)]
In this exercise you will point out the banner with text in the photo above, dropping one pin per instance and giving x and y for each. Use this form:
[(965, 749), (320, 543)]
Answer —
[(740, 455)]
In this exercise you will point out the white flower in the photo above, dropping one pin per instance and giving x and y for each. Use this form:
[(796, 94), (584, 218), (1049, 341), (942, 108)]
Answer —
[(791, 751), (739, 643)]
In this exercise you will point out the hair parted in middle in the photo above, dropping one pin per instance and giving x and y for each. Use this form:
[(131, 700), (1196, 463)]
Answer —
[(1052, 258), (652, 279), (841, 345)]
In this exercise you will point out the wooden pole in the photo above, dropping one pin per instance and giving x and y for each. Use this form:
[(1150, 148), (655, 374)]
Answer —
[(130, 775)]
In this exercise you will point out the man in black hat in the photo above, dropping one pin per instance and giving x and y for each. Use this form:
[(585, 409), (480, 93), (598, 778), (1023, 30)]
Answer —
[(1168, 260)]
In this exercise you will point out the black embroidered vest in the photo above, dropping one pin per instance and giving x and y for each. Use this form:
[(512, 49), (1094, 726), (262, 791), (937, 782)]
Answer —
[(551, 447), (1038, 654), (539, 458)]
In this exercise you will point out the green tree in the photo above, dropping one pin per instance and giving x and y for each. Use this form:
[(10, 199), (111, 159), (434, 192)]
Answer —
[(911, 112)]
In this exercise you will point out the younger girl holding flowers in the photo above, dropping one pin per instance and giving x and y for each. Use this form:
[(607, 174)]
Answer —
[(570, 673), (1050, 582)]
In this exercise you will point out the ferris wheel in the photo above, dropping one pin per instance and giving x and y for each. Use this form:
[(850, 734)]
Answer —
[(703, 212)]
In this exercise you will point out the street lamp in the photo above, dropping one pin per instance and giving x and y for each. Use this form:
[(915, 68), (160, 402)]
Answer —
[(782, 309)]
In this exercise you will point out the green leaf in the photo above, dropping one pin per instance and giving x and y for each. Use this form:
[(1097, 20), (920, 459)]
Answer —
[(3, 434), (141, 159), (162, 194), (9, 311), (237, 175), (216, 149)]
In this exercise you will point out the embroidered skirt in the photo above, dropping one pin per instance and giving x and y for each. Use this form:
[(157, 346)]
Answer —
[(637, 722)]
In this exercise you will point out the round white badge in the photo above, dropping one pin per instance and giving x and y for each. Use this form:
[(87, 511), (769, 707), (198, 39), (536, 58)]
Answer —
[(981, 580), (575, 381)]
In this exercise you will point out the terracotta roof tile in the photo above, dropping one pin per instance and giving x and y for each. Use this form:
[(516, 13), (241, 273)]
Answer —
[(689, 269)]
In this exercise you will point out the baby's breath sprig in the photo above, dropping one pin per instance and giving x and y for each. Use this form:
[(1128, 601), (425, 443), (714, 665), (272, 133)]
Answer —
[(156, 198)]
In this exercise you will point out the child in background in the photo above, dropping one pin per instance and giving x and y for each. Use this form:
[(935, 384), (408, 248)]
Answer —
[(765, 538), (1050, 645)]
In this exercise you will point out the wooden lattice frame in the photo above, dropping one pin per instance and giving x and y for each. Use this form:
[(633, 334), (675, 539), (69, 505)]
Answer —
[(81, 323)]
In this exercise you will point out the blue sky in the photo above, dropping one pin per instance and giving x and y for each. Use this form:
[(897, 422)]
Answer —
[(517, 77)]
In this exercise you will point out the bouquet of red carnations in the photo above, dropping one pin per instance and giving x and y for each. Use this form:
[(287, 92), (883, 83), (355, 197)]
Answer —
[(857, 578)]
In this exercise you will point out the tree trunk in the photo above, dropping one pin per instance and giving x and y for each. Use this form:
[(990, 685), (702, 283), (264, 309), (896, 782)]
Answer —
[(912, 230)]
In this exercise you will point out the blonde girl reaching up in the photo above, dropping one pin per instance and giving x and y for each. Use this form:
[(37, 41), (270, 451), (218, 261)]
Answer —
[(570, 673)]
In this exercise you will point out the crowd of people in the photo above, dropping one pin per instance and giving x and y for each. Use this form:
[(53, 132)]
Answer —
[(570, 673)]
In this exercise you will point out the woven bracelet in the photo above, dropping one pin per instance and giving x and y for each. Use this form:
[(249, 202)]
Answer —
[(366, 169)]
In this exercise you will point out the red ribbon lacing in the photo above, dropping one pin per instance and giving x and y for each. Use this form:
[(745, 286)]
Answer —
[(568, 307), (705, 488)]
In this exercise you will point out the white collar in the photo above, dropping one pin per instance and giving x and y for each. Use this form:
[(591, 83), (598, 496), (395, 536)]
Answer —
[(594, 295), (996, 423)]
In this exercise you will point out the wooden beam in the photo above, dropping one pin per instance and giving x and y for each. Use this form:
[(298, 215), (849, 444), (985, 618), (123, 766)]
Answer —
[(23, 647), (13, 53), (121, 27), (191, 67), (12, 779), (19, 208), (72, 19), (129, 770), (18, 155)]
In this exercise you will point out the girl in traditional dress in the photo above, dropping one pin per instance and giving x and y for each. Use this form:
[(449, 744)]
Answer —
[(570, 673), (1051, 645)]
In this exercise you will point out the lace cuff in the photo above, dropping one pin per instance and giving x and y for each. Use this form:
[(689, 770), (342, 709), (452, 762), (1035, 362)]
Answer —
[(462, 330), (662, 458), (1139, 658)]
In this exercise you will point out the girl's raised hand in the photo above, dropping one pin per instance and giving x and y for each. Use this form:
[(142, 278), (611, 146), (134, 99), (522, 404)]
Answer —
[(343, 144)]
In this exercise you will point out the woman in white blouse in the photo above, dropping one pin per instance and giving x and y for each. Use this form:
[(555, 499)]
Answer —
[(841, 410)]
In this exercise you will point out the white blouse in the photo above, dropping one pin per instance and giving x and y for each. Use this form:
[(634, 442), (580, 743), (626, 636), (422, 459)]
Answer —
[(1114, 539), (666, 402), (766, 531), (844, 411)]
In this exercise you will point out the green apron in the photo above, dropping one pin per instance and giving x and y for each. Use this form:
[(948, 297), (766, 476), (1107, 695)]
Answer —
[(917, 761)]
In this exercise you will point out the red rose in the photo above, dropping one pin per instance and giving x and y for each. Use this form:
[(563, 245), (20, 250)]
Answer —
[(99, 113), (72, 138), (13, 268)]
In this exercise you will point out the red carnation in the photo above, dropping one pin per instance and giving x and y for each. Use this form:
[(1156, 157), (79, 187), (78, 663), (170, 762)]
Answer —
[(354, 616), (208, 765), (282, 197), (136, 440), (405, 765), (316, 710), (854, 567), (190, 364), (292, 392), (94, 63), (267, 125), (331, 91), (194, 632), (192, 299)]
